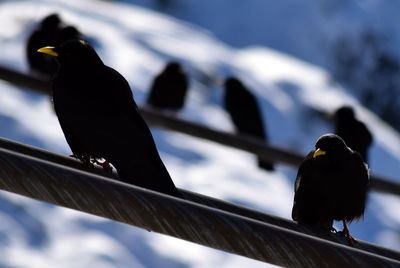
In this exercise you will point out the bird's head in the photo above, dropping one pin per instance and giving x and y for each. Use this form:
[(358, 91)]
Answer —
[(233, 82), (67, 33), (329, 144), (344, 113), (51, 22), (76, 53), (173, 67)]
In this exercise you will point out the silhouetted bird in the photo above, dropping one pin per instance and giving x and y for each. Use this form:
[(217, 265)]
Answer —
[(352, 131), (67, 33), (165, 4), (331, 184), (245, 113), (51, 32), (44, 35), (169, 88), (100, 119)]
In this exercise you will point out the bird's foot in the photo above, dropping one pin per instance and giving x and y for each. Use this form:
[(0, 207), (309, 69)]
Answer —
[(332, 229), (326, 225), (85, 159), (105, 164), (350, 239)]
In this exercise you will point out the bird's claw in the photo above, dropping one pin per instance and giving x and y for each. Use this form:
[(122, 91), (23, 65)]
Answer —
[(333, 230), (105, 164), (350, 239), (85, 159)]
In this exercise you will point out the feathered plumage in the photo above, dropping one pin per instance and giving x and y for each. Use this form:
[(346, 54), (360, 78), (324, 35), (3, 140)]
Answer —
[(245, 113), (331, 184), (100, 119), (169, 88)]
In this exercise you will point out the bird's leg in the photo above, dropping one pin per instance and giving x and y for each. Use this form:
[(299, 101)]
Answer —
[(85, 159), (327, 225), (105, 164), (346, 233)]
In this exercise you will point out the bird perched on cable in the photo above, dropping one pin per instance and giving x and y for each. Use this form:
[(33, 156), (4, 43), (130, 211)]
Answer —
[(51, 31), (331, 184), (352, 131), (245, 113), (100, 119), (169, 88)]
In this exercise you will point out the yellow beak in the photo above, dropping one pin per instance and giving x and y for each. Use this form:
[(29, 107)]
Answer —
[(318, 152), (48, 50)]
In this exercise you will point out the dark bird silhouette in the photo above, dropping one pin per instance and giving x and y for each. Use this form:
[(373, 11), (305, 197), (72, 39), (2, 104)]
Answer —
[(44, 35), (67, 33), (169, 88), (245, 113), (100, 119), (352, 131), (331, 184), (50, 32)]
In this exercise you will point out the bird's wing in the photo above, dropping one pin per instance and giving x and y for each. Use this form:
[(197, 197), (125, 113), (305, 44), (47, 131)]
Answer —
[(131, 131), (367, 134), (130, 146), (77, 148), (153, 97), (303, 171), (362, 170), (66, 117), (301, 184), (118, 86), (245, 113)]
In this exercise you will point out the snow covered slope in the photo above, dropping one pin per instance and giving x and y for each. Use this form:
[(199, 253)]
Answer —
[(305, 29), (137, 42)]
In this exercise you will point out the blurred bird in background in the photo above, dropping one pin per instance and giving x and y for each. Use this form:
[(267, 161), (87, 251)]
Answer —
[(100, 119), (51, 31), (44, 34), (66, 34), (245, 113), (331, 184), (169, 88), (354, 132)]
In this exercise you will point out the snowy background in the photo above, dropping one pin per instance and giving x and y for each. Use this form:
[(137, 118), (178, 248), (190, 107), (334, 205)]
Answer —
[(280, 49)]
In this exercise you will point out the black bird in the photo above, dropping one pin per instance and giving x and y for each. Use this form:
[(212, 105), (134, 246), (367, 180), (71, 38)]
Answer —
[(50, 32), (44, 35), (331, 184), (245, 113), (100, 119), (67, 33), (352, 131), (169, 88)]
